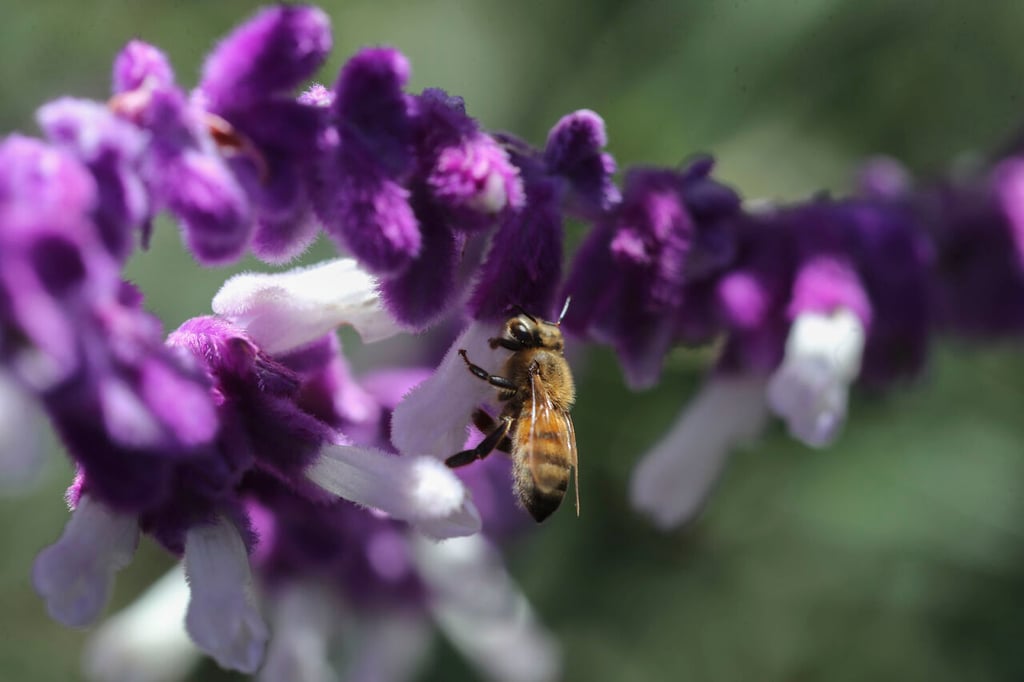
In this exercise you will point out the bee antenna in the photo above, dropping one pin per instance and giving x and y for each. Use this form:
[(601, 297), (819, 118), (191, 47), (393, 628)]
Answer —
[(518, 309), (565, 309)]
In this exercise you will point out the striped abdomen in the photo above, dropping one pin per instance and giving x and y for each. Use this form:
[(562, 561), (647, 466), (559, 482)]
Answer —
[(542, 456)]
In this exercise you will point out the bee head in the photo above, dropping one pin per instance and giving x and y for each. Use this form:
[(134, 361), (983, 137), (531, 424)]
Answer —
[(523, 328), (529, 332)]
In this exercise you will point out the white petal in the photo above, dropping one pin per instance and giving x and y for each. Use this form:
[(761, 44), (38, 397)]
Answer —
[(303, 622), (21, 454), (483, 612), (74, 575), (147, 641), (388, 647), (673, 479), (810, 389), (287, 310), (433, 417), (222, 616), (420, 490)]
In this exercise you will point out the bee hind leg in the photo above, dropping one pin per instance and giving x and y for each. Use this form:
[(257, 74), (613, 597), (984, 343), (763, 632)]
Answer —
[(483, 448), (486, 424)]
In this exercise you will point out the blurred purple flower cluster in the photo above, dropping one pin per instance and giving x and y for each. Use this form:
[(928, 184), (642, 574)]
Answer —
[(301, 497)]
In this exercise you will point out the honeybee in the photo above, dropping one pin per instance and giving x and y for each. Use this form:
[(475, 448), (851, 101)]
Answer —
[(534, 426)]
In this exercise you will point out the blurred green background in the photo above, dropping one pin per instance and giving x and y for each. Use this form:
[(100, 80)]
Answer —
[(897, 554)]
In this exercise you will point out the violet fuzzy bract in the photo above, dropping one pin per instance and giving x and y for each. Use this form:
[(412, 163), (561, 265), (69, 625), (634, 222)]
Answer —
[(304, 498)]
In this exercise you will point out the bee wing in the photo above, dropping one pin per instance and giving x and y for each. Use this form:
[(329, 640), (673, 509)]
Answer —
[(574, 457), (545, 417)]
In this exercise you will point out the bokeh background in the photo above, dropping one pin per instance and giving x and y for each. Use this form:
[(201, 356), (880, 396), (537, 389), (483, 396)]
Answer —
[(896, 554)]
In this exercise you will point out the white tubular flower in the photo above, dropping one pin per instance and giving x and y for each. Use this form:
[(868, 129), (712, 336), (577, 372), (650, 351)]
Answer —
[(388, 647), (673, 479), (483, 613), (434, 417), (147, 641), (21, 456), (287, 310), (222, 617), (420, 490), (810, 389), (303, 620), (74, 575)]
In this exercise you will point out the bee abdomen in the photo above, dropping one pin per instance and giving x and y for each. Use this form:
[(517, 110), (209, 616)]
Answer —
[(542, 505), (542, 486)]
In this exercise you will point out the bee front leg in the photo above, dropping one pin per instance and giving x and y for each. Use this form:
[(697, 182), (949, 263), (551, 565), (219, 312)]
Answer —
[(483, 448), (481, 373)]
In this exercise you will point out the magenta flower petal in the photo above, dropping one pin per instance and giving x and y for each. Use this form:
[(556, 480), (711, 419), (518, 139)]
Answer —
[(425, 290), (271, 53), (574, 152), (524, 263), (141, 65)]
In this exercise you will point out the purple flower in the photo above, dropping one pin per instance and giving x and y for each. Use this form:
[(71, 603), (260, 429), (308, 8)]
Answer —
[(365, 557), (112, 149), (975, 226), (406, 181), (249, 83), (490, 481), (574, 152), (330, 392), (830, 315), (134, 417), (53, 259), (125, 405), (522, 267), (305, 304), (138, 68), (643, 280), (327, 569), (748, 298), (523, 264), (364, 204), (816, 296), (268, 55), (236, 161), (896, 262), (168, 449), (262, 397), (463, 587), (466, 172), (181, 165)]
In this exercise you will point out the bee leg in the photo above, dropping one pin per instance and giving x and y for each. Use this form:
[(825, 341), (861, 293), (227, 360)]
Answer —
[(483, 448), (492, 379), (486, 424)]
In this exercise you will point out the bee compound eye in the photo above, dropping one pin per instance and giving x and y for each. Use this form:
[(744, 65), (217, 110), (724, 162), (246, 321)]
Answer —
[(516, 328)]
